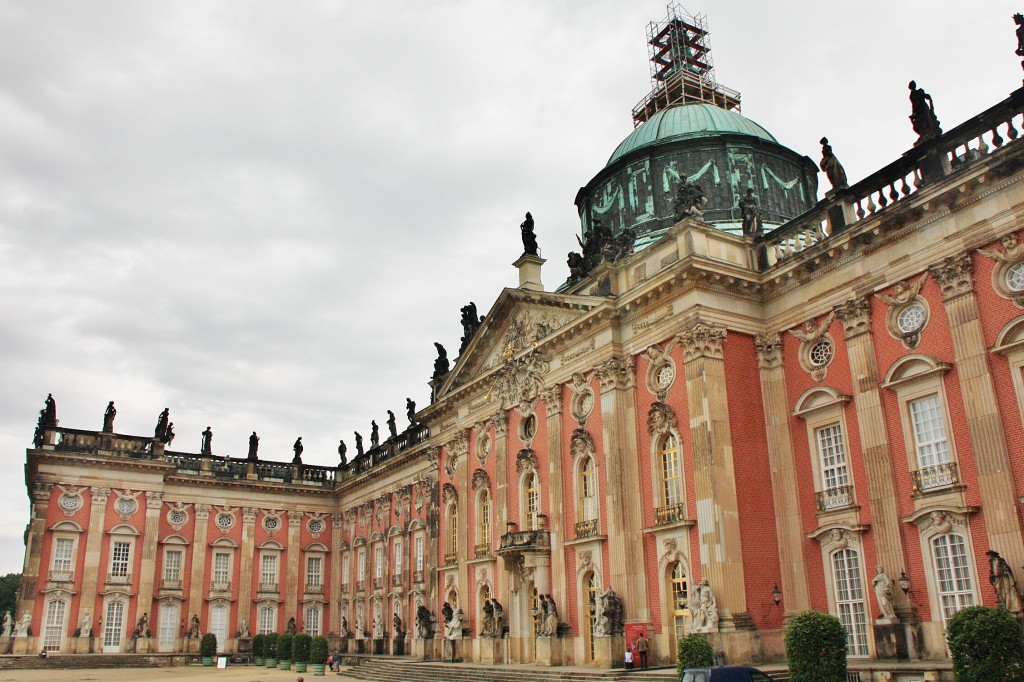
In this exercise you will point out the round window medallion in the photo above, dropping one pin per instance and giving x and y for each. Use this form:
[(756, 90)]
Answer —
[(126, 505), (271, 522), (70, 502), (1015, 278), (584, 404), (225, 520), (820, 353), (529, 427), (911, 318), (665, 376), (177, 518), (483, 445), (316, 526)]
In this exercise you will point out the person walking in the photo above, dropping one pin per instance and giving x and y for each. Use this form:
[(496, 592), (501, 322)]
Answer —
[(642, 647), (628, 659)]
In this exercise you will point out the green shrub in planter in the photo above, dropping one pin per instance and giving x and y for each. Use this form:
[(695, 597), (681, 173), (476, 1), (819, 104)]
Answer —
[(816, 648), (208, 648), (318, 654), (257, 646), (284, 650), (300, 650), (270, 649), (986, 645), (694, 651)]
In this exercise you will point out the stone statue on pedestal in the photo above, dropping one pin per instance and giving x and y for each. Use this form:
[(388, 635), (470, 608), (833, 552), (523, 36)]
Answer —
[(922, 114), (392, 428), (883, 592), (530, 247), (704, 608), (423, 622), (1001, 577), (108, 418), (207, 442), (8, 625), (342, 450), (297, 448), (23, 625), (254, 447), (830, 165)]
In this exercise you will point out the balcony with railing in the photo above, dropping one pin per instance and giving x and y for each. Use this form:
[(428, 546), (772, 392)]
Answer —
[(938, 477), (268, 587), (119, 579), (586, 529), (360, 586), (344, 587), (516, 542), (397, 579), (220, 586), (833, 499), (61, 576), (314, 588), (669, 514), (170, 584), (482, 551), (417, 577), (412, 436), (451, 558), (378, 583)]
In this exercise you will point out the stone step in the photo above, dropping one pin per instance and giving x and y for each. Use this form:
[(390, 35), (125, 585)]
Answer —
[(398, 670), (85, 661)]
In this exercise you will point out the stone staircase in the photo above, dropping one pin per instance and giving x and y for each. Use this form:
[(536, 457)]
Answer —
[(381, 669)]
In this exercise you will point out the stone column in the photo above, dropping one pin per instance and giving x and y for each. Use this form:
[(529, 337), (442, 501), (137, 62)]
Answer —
[(622, 474), (150, 537), (247, 558), (499, 506), (855, 316), (714, 473), (30, 576), (988, 441), (293, 581), (92, 572), (785, 491), (199, 578), (333, 590), (552, 398)]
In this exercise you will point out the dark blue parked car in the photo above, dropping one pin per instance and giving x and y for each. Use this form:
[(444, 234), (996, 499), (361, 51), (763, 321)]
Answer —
[(726, 673)]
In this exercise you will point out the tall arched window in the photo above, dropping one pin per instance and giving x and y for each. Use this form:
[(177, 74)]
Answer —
[(952, 573), (588, 490), (679, 589), (671, 471), (849, 592), (531, 488), (452, 555), (483, 517)]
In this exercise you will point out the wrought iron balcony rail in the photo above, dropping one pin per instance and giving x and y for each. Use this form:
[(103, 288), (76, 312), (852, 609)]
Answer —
[(61, 576), (119, 579), (670, 513), (171, 583), (936, 477), (524, 540), (451, 558), (832, 499), (268, 587), (396, 579), (314, 588), (482, 551), (586, 529), (360, 586), (417, 576), (220, 586)]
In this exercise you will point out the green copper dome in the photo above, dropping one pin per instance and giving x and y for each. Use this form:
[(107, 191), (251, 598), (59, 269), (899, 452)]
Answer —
[(688, 121)]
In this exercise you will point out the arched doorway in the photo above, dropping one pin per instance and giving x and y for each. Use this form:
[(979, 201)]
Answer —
[(679, 594), (590, 587)]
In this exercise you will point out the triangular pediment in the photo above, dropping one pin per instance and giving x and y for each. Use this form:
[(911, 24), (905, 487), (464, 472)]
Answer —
[(517, 321)]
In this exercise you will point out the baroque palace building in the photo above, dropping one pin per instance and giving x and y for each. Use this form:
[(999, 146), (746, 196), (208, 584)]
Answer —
[(744, 403)]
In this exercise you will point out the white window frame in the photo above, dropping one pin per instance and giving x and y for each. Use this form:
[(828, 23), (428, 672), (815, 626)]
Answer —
[(951, 593), (378, 562), (55, 623), (171, 572), (315, 578), (121, 557), (266, 619), (167, 626), (530, 518), (587, 504), (270, 567), (313, 621), (850, 601), (361, 565), (397, 564), (345, 568), (419, 544), (216, 572), (929, 430), (830, 443), (113, 628)]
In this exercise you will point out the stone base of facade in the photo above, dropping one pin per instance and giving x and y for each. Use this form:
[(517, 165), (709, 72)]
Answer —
[(142, 645), (83, 645), (549, 651), (491, 650), (608, 651), (22, 646), (454, 650), (6, 644), (423, 648), (398, 646), (891, 640), (192, 645)]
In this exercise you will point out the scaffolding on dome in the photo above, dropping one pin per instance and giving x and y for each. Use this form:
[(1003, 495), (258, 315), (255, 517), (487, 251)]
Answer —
[(681, 66)]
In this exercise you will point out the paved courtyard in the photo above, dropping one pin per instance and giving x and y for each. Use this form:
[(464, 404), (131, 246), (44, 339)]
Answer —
[(239, 673)]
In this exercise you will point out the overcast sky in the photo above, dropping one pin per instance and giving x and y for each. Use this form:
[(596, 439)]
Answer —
[(261, 215)]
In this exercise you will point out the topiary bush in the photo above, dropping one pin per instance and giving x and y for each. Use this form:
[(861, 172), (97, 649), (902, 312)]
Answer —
[(270, 646), (694, 651), (284, 647), (816, 648), (208, 645), (300, 647), (318, 650), (986, 645), (257, 645)]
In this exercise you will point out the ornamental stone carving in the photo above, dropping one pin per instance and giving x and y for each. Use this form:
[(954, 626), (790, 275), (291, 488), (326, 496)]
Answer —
[(660, 420), (249, 514), (458, 446), (581, 444), (449, 494), (521, 379), (836, 539), (855, 316), (552, 398), (615, 372), (294, 518), (41, 492), (154, 499), (703, 340), (955, 276), (480, 480), (99, 495), (202, 512), (70, 499), (526, 460), (432, 454), (126, 503), (499, 422), (350, 515), (769, 350)]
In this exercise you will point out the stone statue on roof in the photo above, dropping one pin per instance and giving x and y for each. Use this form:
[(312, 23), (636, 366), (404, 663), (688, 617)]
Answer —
[(830, 165), (530, 247), (922, 114)]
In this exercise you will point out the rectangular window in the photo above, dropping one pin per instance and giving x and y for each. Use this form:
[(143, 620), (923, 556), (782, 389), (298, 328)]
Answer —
[(419, 552), (221, 568), (64, 549), (952, 574), (314, 571), (167, 631), (485, 519), (267, 620), (112, 627), (361, 568), (832, 453), (929, 424), (344, 569), (671, 472), (219, 625), (398, 557), (378, 562), (313, 620), (53, 631), (119, 559), (268, 569), (172, 565), (849, 593)]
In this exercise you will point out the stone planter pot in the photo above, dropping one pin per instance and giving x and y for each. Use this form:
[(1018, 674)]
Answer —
[(207, 660), (285, 665), (300, 667), (318, 669), (260, 661), (271, 662)]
